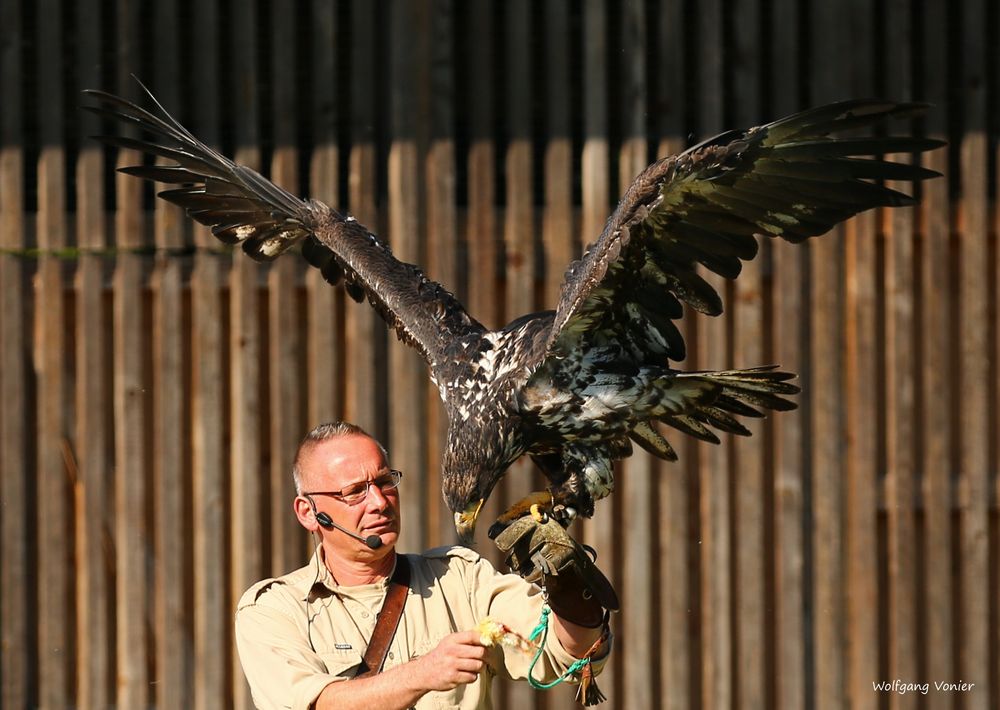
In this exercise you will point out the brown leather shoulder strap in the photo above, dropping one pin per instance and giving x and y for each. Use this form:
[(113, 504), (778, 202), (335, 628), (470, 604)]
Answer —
[(388, 619)]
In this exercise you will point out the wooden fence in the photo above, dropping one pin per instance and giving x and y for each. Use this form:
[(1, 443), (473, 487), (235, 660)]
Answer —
[(154, 385)]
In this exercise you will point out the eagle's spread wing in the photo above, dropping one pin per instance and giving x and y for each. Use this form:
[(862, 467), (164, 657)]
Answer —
[(789, 179), (243, 207)]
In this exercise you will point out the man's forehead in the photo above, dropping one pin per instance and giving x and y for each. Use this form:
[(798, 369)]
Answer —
[(343, 459)]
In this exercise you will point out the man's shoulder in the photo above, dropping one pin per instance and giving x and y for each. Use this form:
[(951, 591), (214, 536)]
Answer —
[(278, 591), (452, 552)]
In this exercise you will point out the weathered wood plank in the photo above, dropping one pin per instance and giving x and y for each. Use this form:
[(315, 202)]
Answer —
[(635, 482), (211, 596), (485, 300), (715, 462), (365, 331), (599, 532), (324, 301), (407, 371), (131, 401), (789, 338), (482, 237), (284, 334), (173, 641), (974, 366), (443, 253), (558, 243), (518, 232), (826, 411), (863, 383), (938, 331), (18, 662), (93, 515), (55, 622), (749, 455), (677, 685), (901, 433), (249, 488)]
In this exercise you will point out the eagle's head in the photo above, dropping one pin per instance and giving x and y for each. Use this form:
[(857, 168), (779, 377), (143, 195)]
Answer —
[(465, 491), (469, 474)]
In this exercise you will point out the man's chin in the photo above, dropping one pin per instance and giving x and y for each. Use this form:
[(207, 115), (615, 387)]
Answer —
[(389, 538)]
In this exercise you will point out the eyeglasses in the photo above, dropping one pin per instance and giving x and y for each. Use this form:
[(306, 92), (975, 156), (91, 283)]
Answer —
[(357, 492)]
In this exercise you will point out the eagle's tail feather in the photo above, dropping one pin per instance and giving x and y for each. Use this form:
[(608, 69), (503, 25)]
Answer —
[(715, 399)]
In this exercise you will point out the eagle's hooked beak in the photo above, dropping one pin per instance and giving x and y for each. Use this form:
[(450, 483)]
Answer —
[(465, 522)]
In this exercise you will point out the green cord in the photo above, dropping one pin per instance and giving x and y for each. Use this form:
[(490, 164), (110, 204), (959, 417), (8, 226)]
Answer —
[(543, 630)]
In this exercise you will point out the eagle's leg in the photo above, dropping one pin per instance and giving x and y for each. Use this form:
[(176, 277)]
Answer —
[(539, 505)]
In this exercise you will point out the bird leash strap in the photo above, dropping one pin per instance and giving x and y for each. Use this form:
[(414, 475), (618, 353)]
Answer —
[(388, 619), (588, 692)]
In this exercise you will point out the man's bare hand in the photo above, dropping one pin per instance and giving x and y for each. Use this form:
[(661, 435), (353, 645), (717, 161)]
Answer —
[(455, 661)]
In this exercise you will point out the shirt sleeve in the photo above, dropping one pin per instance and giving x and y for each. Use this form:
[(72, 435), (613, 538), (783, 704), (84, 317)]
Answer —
[(510, 600), (281, 668)]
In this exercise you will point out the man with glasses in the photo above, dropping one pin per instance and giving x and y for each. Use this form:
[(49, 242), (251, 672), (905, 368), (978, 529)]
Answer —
[(301, 638)]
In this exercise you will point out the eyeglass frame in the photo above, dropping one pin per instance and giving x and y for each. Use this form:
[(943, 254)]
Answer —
[(395, 474)]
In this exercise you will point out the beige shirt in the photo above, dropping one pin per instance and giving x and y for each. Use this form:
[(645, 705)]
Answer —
[(297, 633)]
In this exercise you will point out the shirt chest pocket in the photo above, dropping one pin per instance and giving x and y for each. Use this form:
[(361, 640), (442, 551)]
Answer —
[(343, 664)]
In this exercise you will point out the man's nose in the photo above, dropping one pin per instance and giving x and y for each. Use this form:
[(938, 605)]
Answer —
[(376, 498)]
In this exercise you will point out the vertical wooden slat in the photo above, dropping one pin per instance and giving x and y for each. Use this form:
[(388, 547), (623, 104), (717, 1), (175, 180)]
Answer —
[(366, 344), (557, 227), (746, 311), (937, 333), (55, 622), (407, 372), (323, 300), (863, 382), (18, 661), (211, 596), (173, 643), (93, 514), (635, 482), (284, 338), (901, 398), (557, 221), (675, 581), (714, 461), (485, 299), (518, 228), (249, 470), (826, 410), (131, 395), (484, 302), (973, 496), (789, 311), (595, 189), (439, 176)]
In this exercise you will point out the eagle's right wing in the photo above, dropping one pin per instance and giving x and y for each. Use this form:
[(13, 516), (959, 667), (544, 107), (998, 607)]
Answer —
[(243, 207)]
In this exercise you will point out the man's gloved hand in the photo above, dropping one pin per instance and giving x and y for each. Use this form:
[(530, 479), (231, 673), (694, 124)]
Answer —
[(544, 553)]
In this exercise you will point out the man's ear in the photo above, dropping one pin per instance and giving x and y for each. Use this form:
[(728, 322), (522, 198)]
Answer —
[(304, 513)]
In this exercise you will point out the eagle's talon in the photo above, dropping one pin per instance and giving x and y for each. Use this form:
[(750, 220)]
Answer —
[(564, 515), (540, 516)]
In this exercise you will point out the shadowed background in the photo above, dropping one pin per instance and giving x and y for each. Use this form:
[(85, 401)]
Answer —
[(154, 384)]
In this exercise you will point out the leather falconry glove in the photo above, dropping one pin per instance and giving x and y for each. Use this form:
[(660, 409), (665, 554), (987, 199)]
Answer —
[(545, 554)]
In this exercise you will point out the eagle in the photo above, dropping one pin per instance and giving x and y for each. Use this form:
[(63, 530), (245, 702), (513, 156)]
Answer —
[(573, 388)]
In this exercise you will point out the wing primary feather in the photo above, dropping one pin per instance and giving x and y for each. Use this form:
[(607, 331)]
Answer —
[(652, 441)]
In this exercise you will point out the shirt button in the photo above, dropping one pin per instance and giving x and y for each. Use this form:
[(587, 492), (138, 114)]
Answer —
[(391, 656), (364, 615)]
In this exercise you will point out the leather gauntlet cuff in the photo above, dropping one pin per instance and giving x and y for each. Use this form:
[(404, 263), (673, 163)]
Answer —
[(545, 554)]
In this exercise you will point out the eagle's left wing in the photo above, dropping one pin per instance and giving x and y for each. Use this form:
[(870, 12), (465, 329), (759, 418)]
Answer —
[(243, 207), (788, 179)]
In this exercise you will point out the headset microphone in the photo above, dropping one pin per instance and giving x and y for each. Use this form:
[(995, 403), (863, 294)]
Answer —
[(373, 541)]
